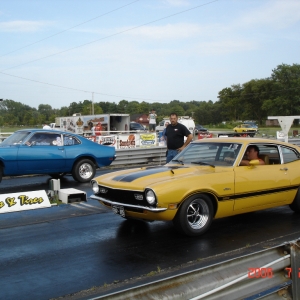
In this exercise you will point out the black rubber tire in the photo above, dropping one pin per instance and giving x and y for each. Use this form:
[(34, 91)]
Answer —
[(194, 215), (84, 170), (295, 205), (1, 173)]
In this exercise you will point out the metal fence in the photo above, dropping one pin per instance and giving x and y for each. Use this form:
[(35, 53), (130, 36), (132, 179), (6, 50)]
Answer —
[(268, 274), (153, 155)]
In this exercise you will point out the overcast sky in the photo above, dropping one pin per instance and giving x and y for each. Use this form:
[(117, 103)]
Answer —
[(60, 51)]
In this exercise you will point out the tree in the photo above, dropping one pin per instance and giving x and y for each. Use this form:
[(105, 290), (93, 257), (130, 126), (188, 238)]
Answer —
[(122, 107), (45, 110), (230, 100), (286, 88), (254, 94), (133, 107)]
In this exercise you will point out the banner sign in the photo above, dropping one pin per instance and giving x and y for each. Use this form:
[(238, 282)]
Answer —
[(127, 141), (23, 201), (147, 140), (107, 140)]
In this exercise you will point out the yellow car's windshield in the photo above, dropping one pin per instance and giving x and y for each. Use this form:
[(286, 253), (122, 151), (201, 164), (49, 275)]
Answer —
[(211, 154)]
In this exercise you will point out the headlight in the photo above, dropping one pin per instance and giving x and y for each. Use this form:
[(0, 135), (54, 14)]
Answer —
[(150, 197), (95, 187)]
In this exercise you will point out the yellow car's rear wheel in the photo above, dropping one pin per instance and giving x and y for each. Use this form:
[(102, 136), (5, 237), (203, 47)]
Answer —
[(195, 215), (295, 205)]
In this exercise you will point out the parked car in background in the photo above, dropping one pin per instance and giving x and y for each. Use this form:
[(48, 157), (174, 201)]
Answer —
[(204, 182), (136, 127), (162, 124), (200, 128), (188, 122), (53, 152), (245, 128), (251, 123)]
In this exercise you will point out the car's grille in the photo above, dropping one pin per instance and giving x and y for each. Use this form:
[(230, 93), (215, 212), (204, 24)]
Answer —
[(122, 196)]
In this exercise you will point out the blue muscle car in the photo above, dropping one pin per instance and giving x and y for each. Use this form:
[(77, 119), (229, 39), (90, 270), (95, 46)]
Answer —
[(53, 152)]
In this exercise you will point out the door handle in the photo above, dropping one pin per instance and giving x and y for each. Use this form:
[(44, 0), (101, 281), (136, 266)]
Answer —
[(283, 169)]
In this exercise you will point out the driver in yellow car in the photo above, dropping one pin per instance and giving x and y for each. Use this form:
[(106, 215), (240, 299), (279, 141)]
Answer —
[(252, 153)]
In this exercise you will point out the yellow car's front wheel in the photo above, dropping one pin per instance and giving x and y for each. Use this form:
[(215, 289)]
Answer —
[(195, 215)]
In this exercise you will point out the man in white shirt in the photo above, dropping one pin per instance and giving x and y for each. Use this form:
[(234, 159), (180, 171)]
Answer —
[(152, 120), (46, 126)]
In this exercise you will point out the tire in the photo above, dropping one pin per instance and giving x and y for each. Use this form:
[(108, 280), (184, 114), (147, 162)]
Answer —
[(1, 173), (295, 205), (84, 170), (194, 215)]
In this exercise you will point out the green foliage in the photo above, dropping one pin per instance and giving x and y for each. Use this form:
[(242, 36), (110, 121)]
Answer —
[(253, 100)]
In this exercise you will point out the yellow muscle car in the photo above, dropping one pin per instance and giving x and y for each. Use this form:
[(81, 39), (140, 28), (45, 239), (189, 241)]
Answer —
[(247, 128), (205, 182)]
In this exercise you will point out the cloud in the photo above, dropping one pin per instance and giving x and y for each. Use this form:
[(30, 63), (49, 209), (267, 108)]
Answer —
[(169, 31), (22, 26), (275, 14), (223, 47), (177, 2)]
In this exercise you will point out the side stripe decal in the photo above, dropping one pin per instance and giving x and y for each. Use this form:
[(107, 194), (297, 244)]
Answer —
[(258, 193)]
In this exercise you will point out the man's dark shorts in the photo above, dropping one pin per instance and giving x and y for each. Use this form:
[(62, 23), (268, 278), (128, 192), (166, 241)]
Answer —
[(152, 127)]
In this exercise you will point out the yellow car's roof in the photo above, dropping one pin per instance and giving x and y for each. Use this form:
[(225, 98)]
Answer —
[(243, 140)]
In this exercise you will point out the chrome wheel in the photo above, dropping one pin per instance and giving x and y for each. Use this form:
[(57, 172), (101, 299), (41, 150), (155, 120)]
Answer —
[(86, 171), (197, 214)]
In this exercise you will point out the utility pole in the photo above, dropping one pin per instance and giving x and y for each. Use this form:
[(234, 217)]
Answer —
[(0, 129), (92, 103)]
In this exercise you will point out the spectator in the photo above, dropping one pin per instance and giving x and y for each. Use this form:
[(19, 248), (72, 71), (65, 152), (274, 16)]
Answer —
[(152, 120), (164, 137), (46, 126), (98, 129), (175, 134)]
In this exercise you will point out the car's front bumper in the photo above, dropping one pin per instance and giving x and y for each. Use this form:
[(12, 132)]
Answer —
[(138, 211), (153, 209)]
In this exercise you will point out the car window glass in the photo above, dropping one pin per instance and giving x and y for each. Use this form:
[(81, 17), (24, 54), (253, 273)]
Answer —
[(289, 155), (70, 140), (16, 138), (271, 151), (44, 139), (210, 153)]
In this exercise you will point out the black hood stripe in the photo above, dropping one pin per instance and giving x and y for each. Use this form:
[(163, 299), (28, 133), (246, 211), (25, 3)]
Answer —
[(143, 173)]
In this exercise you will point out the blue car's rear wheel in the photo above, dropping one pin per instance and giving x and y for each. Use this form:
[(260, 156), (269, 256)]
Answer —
[(195, 215), (84, 170)]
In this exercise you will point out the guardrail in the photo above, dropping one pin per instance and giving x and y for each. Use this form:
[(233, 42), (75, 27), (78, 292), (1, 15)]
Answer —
[(272, 273), (154, 155), (4, 135)]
